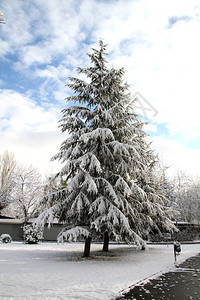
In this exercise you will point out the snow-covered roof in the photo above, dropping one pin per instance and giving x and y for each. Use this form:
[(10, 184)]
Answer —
[(11, 221), (19, 221), (55, 221)]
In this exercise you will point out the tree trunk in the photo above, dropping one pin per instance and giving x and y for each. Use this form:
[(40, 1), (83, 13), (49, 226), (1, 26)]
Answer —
[(87, 247), (105, 241)]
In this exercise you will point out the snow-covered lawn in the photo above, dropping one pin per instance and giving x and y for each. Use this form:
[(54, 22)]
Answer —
[(51, 271)]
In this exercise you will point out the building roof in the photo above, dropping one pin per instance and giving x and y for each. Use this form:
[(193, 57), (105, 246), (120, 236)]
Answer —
[(5, 217)]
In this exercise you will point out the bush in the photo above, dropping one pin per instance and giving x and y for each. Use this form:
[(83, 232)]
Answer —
[(6, 238), (32, 234)]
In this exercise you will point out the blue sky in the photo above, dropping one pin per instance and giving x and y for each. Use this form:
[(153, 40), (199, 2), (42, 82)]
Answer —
[(156, 42)]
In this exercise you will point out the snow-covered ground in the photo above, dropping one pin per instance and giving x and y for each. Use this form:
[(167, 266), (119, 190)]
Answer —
[(51, 271)]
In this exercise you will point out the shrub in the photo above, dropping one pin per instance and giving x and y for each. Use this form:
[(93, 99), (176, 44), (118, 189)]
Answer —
[(32, 234), (6, 238)]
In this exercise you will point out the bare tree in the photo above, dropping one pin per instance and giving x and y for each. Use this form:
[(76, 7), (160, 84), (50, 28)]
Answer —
[(160, 173), (187, 197), (189, 202), (27, 192), (7, 169)]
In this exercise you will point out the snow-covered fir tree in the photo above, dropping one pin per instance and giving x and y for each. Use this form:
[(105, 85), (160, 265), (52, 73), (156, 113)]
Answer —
[(106, 162)]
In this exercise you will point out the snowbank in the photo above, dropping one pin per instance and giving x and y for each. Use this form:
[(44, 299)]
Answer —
[(51, 271)]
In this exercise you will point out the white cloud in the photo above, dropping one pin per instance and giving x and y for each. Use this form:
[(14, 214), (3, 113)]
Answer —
[(16, 31), (32, 148), (176, 156), (55, 79), (21, 114), (165, 69), (29, 131), (156, 41), (60, 34)]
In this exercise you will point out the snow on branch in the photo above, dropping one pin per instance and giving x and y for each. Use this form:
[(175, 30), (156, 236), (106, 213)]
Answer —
[(124, 149), (99, 205), (76, 152), (102, 133), (78, 111), (99, 222), (136, 189), (108, 188), (67, 169), (131, 235), (55, 196), (122, 184), (64, 153), (80, 202), (48, 216), (108, 118), (90, 161), (117, 223), (71, 235), (94, 164), (90, 184), (74, 182), (120, 148)]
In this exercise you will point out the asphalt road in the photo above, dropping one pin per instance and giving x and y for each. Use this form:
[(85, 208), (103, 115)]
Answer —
[(181, 284)]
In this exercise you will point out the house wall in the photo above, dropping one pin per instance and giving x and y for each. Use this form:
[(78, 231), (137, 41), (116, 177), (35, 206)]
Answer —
[(187, 232), (52, 233), (14, 229)]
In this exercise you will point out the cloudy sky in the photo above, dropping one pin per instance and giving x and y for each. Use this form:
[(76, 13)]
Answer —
[(157, 42)]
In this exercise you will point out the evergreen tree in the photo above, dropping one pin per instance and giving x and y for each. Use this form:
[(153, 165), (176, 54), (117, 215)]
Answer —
[(107, 162)]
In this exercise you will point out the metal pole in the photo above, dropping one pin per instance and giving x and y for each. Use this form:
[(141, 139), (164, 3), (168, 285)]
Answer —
[(174, 255)]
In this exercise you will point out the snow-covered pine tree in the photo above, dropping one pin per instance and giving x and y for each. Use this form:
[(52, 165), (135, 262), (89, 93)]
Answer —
[(105, 160), (149, 197)]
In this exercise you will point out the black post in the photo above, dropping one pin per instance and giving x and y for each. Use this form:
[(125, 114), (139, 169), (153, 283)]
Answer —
[(177, 250)]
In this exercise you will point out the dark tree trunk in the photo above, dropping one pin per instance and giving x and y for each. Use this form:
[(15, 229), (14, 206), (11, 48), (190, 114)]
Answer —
[(105, 241), (87, 247)]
